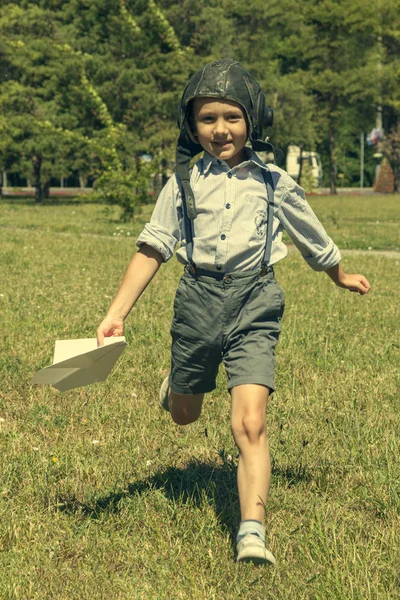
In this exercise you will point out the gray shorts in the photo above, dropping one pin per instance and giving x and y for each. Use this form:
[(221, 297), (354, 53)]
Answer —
[(234, 318)]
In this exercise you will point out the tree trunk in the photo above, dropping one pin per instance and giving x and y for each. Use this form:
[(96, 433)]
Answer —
[(1, 183), (37, 166), (46, 189), (332, 158)]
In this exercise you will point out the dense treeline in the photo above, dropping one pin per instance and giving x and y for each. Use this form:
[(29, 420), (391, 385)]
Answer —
[(89, 86)]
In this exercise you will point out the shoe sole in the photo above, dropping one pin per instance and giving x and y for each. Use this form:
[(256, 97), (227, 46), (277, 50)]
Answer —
[(163, 395), (255, 560), (263, 558), (258, 562)]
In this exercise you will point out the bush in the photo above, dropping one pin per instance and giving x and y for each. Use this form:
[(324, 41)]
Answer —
[(127, 189), (385, 180), (308, 181)]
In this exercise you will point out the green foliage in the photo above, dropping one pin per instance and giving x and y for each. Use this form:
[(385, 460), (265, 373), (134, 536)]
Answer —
[(166, 32), (63, 82), (129, 19), (36, 69), (87, 86), (127, 189), (308, 181), (116, 187)]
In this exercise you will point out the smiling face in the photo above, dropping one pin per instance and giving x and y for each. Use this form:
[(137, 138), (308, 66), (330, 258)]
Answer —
[(221, 129)]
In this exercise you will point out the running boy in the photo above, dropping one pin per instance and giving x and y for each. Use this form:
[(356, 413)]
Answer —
[(227, 216)]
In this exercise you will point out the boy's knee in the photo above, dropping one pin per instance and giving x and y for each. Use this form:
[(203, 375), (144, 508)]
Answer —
[(250, 427), (185, 410), (181, 417)]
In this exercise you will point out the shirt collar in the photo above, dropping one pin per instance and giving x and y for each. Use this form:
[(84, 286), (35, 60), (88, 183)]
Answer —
[(208, 161), (251, 157)]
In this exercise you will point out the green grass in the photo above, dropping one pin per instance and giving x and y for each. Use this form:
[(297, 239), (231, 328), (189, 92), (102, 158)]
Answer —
[(361, 222), (369, 222), (103, 497)]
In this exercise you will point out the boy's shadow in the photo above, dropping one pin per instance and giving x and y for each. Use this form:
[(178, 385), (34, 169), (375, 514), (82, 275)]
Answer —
[(196, 483), (193, 485)]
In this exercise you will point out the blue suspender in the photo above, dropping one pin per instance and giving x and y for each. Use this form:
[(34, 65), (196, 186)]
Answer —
[(270, 217)]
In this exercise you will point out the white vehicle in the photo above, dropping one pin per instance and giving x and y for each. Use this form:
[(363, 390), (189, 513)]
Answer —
[(310, 158)]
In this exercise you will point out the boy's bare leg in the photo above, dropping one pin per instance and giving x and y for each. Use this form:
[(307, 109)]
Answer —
[(185, 408), (249, 404)]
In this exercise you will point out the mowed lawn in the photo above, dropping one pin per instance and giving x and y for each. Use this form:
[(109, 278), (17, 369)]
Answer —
[(103, 497)]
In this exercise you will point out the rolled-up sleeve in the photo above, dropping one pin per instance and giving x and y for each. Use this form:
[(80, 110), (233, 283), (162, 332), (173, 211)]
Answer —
[(305, 230), (163, 232)]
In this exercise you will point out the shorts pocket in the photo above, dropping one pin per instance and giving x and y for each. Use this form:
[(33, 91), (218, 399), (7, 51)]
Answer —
[(274, 298), (180, 299)]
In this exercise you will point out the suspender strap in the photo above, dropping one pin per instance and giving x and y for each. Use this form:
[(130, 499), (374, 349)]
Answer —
[(270, 216), (187, 223)]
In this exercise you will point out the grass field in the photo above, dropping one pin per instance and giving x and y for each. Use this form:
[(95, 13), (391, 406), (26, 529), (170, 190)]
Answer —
[(103, 497)]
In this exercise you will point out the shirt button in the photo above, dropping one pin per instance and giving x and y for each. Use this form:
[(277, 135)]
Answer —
[(227, 205), (223, 236), (230, 175), (219, 267)]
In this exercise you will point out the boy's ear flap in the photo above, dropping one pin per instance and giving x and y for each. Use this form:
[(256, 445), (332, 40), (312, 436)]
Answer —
[(185, 150), (264, 116), (190, 127), (259, 122), (189, 122), (268, 116)]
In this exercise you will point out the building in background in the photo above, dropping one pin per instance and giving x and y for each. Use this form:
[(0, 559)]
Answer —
[(312, 159)]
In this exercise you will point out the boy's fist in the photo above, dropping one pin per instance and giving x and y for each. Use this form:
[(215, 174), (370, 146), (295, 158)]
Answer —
[(349, 281), (109, 327), (354, 283)]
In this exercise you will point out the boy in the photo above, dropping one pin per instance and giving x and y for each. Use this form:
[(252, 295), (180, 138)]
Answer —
[(228, 216)]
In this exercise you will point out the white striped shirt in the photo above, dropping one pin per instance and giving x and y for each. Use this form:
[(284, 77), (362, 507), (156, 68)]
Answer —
[(230, 229)]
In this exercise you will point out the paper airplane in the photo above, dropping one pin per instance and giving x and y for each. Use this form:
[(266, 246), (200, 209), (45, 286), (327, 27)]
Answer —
[(80, 362)]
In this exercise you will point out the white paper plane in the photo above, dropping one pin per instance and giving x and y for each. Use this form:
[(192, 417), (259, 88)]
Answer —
[(80, 362)]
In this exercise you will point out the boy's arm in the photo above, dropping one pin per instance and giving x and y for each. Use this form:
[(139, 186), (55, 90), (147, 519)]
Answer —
[(348, 281), (309, 235), (141, 270)]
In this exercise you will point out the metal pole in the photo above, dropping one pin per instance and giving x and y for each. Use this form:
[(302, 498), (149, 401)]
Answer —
[(362, 160)]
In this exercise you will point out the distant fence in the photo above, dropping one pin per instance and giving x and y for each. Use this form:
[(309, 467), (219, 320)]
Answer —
[(53, 191), (76, 191)]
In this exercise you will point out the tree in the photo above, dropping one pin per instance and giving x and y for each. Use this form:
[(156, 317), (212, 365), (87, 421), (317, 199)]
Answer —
[(338, 67), (94, 85), (33, 96), (387, 63), (96, 95), (267, 38)]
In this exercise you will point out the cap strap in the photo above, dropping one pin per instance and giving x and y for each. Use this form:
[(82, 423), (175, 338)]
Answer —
[(185, 150), (187, 223)]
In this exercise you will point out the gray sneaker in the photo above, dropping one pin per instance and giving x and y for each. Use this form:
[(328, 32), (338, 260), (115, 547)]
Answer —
[(252, 549), (163, 398)]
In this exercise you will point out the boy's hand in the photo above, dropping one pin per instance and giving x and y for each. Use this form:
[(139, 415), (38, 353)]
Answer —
[(348, 281), (354, 283), (109, 327)]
